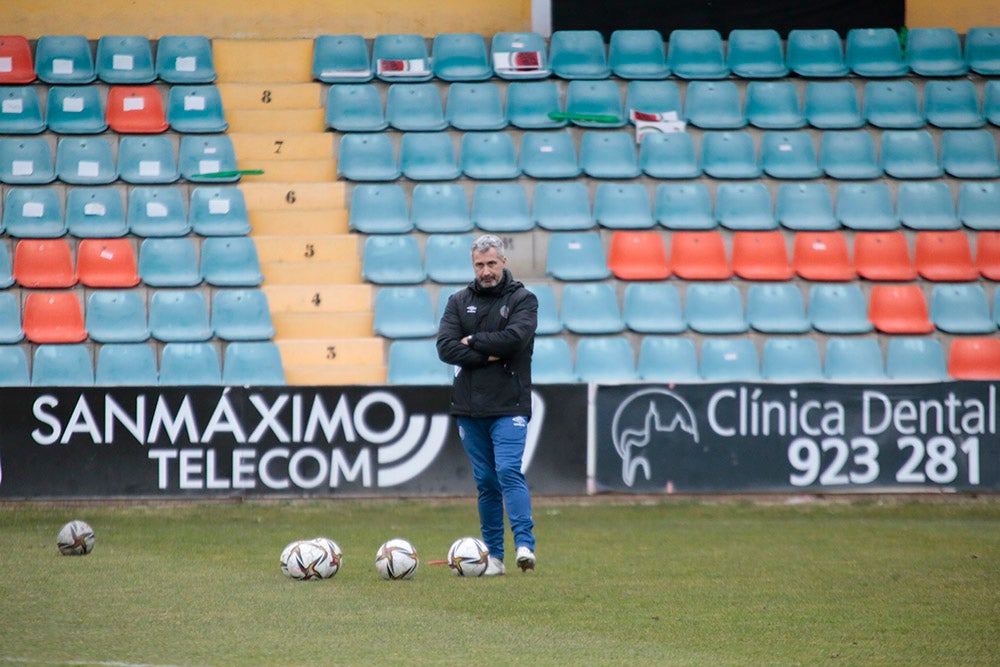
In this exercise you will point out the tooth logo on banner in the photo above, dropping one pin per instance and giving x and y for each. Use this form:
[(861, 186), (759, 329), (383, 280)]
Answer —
[(645, 419)]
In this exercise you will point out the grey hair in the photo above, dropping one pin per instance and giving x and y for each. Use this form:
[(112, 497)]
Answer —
[(487, 241)]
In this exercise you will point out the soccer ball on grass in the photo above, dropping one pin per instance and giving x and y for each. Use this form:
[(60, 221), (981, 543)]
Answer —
[(396, 559), (76, 538), (306, 560), (468, 557)]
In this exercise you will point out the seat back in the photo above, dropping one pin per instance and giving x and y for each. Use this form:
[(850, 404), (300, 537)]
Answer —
[(609, 154), (44, 263), (714, 105), (935, 52), (195, 364), (428, 156), (910, 154), (789, 155), (637, 54), (548, 155), (638, 255), (761, 256), (53, 317), (549, 320), (899, 309), (756, 54), (401, 57), (440, 208), (367, 157), (10, 319), (623, 206), (241, 314), (520, 55), (117, 316), (715, 308), (791, 360), (147, 160), (893, 105), (179, 315), (776, 308), (460, 57), (195, 109), (832, 105), (744, 206), (883, 256), (729, 155), (961, 308), (489, 156), (530, 103), (95, 212), (157, 211), (849, 155), (415, 107), (62, 366), (944, 256), (822, 256), (33, 213), (501, 207), (653, 307), (379, 209), (208, 159), (185, 59), (668, 359), (815, 53), (853, 360), (85, 161), (126, 364), (866, 207), (17, 50), (64, 59), (979, 205), (475, 106), (253, 363), (696, 54), (136, 110), (404, 312), (576, 256), (969, 154), (392, 260), (578, 54), (448, 258), (774, 105), (699, 255), (595, 104), (974, 358), (838, 308), (605, 359), (805, 207), (982, 50), (591, 308), (874, 52), (416, 362), (230, 261), (75, 110), (915, 358), (988, 254), (668, 155), (341, 59), (953, 104), (926, 205), (562, 206), (729, 359), (683, 206), (354, 108), (13, 364), (106, 263), (218, 211), (169, 262), (552, 361), (20, 111), (124, 59), (26, 161)]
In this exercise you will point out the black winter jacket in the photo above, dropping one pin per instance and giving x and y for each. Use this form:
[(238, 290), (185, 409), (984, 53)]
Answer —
[(502, 323)]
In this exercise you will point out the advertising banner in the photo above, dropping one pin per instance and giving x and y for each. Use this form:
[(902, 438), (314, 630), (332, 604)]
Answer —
[(795, 438), (289, 441)]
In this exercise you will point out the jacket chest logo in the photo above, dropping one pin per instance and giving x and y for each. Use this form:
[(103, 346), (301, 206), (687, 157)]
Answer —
[(471, 309)]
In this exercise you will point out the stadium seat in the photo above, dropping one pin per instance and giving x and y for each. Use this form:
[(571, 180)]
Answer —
[(578, 54), (535, 105), (552, 361), (832, 105), (447, 258), (729, 359), (653, 97), (562, 206), (988, 255), (195, 364), (605, 359), (62, 366), (683, 206), (549, 320), (169, 262), (944, 256), (136, 110), (790, 360), (475, 106), (774, 105), (915, 358), (816, 53), (899, 309), (576, 256), (979, 205), (64, 60), (714, 105), (184, 59), (893, 105), (935, 52), (252, 363), (744, 206), (460, 57), (789, 154), (729, 155), (53, 317), (75, 110), (415, 107), (96, 212), (20, 111), (440, 208), (209, 158), (428, 156), (866, 207), (926, 205), (147, 160), (668, 155), (488, 156), (354, 108), (595, 104), (715, 308), (10, 320), (6, 267), (367, 157), (953, 104), (653, 307), (696, 54), (117, 316), (637, 54), (849, 155), (126, 364), (33, 213), (756, 54), (761, 255), (415, 362), (974, 358), (853, 360), (520, 55), (961, 309), (124, 59), (667, 359), (85, 161), (15, 50), (379, 209), (776, 308), (218, 211), (241, 314), (26, 161), (179, 315), (13, 364), (609, 154), (341, 59), (910, 154), (401, 57), (969, 154), (230, 261), (805, 207), (874, 53), (106, 263), (195, 109), (638, 255), (394, 259), (44, 264), (548, 155), (838, 308), (822, 256), (982, 50), (591, 308), (699, 255), (157, 211), (623, 206), (883, 256), (501, 208)]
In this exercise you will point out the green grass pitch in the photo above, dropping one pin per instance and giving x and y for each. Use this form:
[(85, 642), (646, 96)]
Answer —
[(619, 582)]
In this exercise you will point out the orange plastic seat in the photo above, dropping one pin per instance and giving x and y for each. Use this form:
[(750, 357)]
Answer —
[(883, 256), (136, 110), (988, 255), (106, 263), (822, 256), (944, 256), (53, 317), (761, 256), (18, 63), (638, 255), (45, 263), (974, 359), (699, 255), (899, 309)]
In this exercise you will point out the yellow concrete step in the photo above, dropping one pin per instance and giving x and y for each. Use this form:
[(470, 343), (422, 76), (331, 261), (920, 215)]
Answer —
[(321, 325), (292, 196), (280, 146), (299, 273), (333, 351), (315, 171), (334, 375), (263, 60), (319, 298), (275, 120), (308, 247), (310, 221), (271, 95)]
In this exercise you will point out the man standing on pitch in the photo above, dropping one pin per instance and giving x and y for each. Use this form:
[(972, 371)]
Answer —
[(488, 332)]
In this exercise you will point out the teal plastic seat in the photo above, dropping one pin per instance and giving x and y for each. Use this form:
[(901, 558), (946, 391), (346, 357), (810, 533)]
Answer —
[(475, 106), (935, 52), (62, 366), (729, 155), (354, 108), (85, 161), (605, 359), (64, 60), (124, 59), (404, 312), (75, 110), (147, 160), (578, 54), (157, 211), (756, 54), (401, 57), (789, 154), (379, 209), (805, 207), (209, 158), (26, 161), (562, 206), (655, 97), (969, 154), (609, 154), (392, 259), (520, 55), (549, 320), (623, 206), (791, 360), (696, 54), (774, 105), (10, 320), (218, 210), (33, 213), (549, 155), (953, 104), (832, 105), (893, 105), (428, 156), (982, 50), (991, 101), (683, 206), (440, 208), (444, 293), (874, 53), (179, 315), (460, 57), (20, 111), (447, 258), (849, 155), (574, 256), (252, 363), (669, 155), (126, 365), (714, 105), (668, 359), (776, 308), (653, 308), (637, 54), (13, 367), (595, 104), (196, 109), (367, 157), (241, 314), (815, 53), (853, 360), (866, 207), (95, 212), (979, 205), (838, 308), (715, 308), (117, 316), (169, 262), (501, 208), (910, 154), (961, 308), (744, 206), (926, 205), (552, 361), (185, 59), (415, 107), (416, 362), (915, 359), (6, 269), (530, 103), (489, 156), (230, 261), (729, 359), (341, 59), (591, 308), (190, 364)]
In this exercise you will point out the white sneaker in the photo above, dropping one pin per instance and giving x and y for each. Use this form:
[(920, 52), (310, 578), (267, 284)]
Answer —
[(494, 568), (525, 558)]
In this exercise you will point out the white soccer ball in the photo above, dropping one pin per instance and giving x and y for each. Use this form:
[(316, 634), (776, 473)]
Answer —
[(307, 560), (396, 559), (76, 538), (468, 557), (286, 554), (334, 556)]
